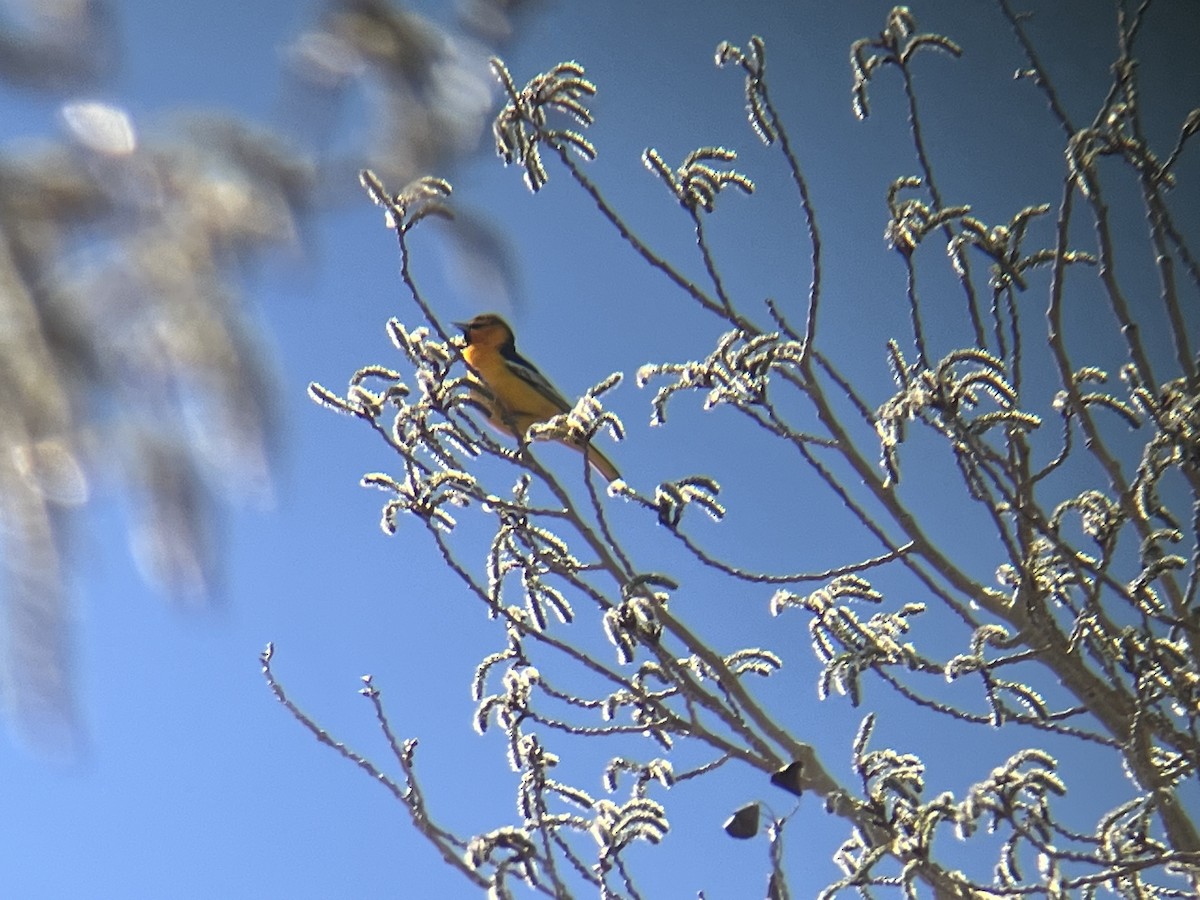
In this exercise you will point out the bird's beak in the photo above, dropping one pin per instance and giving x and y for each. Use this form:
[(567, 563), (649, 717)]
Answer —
[(464, 326)]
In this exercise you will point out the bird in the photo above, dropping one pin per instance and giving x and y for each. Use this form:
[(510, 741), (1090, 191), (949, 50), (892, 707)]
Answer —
[(516, 395)]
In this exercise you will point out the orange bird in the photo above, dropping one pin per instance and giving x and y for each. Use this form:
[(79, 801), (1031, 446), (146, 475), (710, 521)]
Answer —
[(517, 394)]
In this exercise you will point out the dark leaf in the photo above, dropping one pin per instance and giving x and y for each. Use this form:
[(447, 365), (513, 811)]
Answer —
[(743, 824), (790, 778)]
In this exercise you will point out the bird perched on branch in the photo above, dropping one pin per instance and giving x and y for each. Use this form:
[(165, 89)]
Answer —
[(517, 394)]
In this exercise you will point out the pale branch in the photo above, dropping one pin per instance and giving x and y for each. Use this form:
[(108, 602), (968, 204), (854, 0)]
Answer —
[(1102, 628)]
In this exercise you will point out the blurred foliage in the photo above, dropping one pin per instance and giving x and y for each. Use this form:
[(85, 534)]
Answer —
[(125, 348)]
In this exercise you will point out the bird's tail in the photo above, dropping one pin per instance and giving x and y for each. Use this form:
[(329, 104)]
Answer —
[(601, 463)]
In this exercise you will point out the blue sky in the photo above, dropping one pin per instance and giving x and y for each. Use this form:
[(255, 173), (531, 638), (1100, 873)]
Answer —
[(193, 781)]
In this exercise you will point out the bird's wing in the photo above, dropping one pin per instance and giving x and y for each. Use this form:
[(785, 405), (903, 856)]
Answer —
[(527, 372)]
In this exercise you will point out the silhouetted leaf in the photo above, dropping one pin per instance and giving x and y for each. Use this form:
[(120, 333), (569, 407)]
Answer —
[(743, 824), (790, 778)]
